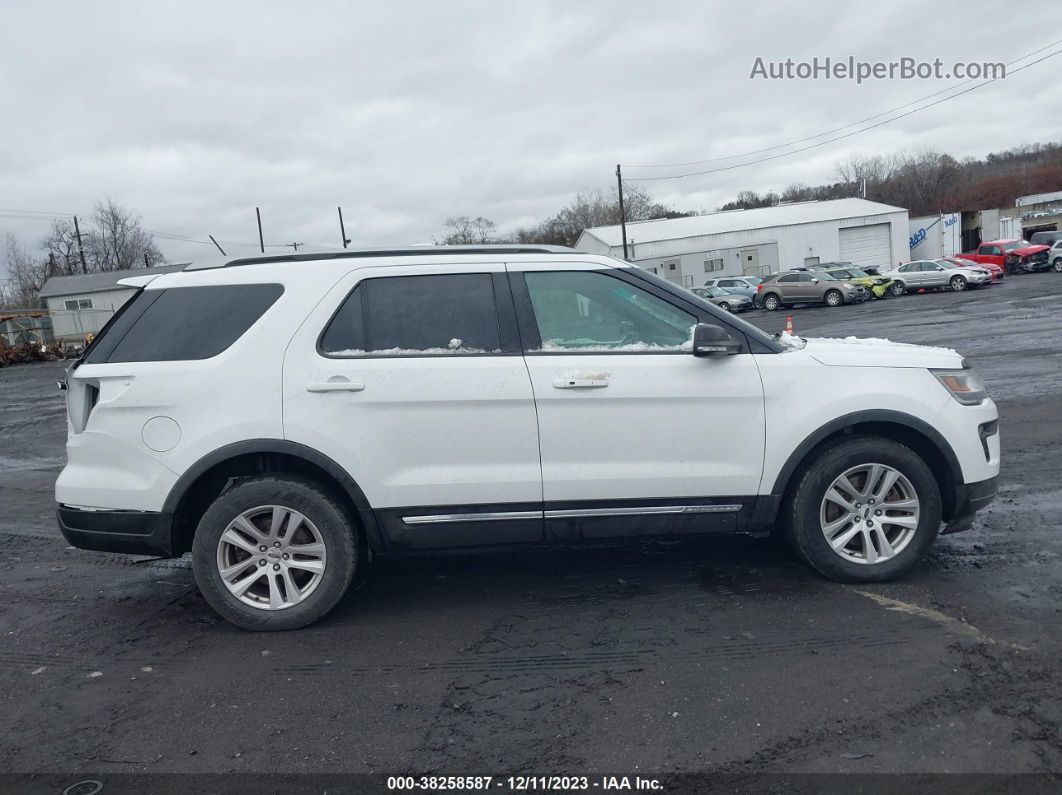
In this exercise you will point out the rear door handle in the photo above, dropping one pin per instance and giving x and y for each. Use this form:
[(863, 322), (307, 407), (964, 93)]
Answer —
[(335, 386)]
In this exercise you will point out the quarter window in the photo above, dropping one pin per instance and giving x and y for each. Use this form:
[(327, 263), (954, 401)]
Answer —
[(182, 323), (592, 311), (416, 315)]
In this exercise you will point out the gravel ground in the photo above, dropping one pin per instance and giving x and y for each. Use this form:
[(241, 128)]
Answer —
[(715, 655)]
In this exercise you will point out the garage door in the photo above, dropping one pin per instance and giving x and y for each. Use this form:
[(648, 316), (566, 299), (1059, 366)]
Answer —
[(867, 246)]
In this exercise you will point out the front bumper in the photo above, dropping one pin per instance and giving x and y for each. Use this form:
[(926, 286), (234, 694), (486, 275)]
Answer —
[(132, 532), (969, 499)]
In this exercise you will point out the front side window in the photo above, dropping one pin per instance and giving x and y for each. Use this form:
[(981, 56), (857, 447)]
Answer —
[(425, 315), (592, 311)]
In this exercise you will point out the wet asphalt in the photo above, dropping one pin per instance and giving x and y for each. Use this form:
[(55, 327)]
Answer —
[(718, 655)]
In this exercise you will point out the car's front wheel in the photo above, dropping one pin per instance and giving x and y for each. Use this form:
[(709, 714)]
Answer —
[(958, 283), (771, 303), (1057, 264), (865, 510), (274, 553), (724, 306), (834, 298), (897, 289)]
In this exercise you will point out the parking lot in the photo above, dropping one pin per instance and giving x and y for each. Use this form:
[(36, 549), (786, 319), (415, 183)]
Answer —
[(716, 655)]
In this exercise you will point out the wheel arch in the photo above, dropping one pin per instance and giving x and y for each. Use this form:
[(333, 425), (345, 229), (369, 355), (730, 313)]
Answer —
[(202, 482), (908, 430)]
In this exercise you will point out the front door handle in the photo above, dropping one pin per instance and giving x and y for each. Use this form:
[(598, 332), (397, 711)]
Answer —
[(335, 386), (580, 382)]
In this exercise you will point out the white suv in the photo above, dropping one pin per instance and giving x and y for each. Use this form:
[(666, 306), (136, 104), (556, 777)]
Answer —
[(285, 419)]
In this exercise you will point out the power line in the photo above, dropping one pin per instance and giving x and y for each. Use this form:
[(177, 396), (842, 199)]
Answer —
[(840, 137), (846, 126)]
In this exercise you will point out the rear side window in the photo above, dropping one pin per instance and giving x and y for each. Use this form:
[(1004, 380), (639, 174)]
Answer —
[(183, 323), (416, 315)]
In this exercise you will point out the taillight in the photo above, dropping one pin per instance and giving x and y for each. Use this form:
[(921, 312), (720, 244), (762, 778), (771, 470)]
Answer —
[(759, 287)]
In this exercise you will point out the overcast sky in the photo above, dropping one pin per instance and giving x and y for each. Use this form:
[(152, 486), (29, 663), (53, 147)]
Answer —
[(405, 113)]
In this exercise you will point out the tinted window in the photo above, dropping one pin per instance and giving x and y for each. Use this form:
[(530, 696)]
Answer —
[(184, 323), (433, 314), (788, 279), (587, 310)]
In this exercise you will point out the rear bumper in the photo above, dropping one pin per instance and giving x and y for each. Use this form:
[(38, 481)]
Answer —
[(132, 532), (969, 499)]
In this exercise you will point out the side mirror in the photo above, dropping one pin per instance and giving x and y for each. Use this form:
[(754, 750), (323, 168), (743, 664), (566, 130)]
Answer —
[(711, 342), (814, 281)]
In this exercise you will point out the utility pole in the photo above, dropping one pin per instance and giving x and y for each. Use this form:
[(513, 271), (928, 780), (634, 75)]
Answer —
[(80, 250), (261, 240), (146, 263), (342, 229), (623, 212), (212, 240)]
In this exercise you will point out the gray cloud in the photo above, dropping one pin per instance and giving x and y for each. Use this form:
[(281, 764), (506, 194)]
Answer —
[(404, 113)]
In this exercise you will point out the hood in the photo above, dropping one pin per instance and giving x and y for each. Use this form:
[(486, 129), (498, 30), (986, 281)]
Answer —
[(874, 352), (1026, 250)]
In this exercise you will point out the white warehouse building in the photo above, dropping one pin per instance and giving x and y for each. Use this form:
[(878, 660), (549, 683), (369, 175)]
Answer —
[(690, 250)]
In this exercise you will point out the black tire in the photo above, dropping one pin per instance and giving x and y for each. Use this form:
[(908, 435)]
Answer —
[(833, 298), (1057, 264), (332, 521), (771, 302), (958, 283), (896, 289), (724, 306), (800, 518)]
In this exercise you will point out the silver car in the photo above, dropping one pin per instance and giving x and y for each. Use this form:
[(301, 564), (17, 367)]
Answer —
[(728, 302), (738, 285), (928, 274)]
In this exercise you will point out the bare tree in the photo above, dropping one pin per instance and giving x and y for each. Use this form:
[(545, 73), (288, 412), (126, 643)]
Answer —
[(61, 245), (461, 230), (116, 240), (25, 275)]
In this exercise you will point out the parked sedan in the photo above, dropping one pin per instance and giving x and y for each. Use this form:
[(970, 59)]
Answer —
[(997, 273), (930, 274), (737, 285), (728, 302), (806, 287)]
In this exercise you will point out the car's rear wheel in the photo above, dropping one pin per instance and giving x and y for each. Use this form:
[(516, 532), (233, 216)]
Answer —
[(771, 303), (834, 298), (958, 283), (897, 289), (865, 510), (274, 553)]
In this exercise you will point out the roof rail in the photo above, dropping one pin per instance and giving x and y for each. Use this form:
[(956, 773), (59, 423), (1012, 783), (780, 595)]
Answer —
[(401, 252)]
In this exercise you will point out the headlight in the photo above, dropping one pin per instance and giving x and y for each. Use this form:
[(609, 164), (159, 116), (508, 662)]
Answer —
[(964, 385)]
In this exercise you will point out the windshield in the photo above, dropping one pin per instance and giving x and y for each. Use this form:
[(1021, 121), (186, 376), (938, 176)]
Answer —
[(753, 280), (826, 277), (948, 264), (713, 292), (1016, 244)]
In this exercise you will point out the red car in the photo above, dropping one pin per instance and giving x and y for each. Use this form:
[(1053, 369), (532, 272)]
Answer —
[(995, 271), (1011, 255)]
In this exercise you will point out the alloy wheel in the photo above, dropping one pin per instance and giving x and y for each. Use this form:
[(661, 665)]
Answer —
[(271, 557), (833, 298), (869, 513), (897, 289), (1058, 265), (958, 284)]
